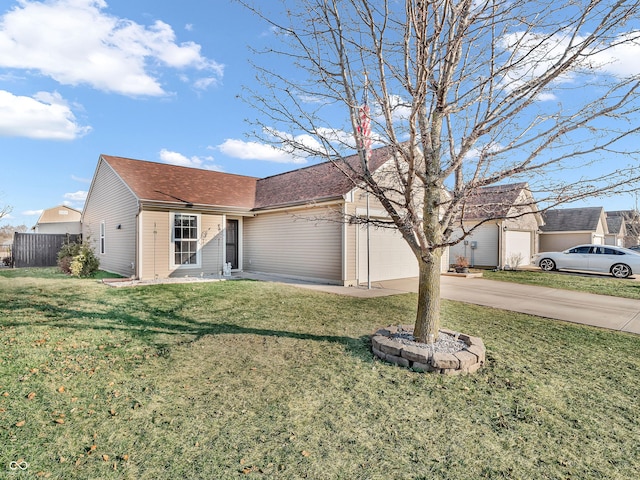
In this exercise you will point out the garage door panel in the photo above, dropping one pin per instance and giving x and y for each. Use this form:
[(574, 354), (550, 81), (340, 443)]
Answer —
[(518, 243), (389, 254)]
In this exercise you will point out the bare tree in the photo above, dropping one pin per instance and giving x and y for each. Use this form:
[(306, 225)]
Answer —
[(5, 210), (465, 94)]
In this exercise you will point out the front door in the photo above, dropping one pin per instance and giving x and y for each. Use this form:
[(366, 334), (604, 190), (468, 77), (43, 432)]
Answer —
[(232, 243)]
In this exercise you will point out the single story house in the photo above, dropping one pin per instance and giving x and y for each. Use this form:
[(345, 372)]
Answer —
[(631, 229), (60, 219), (616, 231), (506, 221), (567, 227), (150, 220)]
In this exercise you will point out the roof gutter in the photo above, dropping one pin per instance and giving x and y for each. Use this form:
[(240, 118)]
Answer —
[(302, 205), (216, 209)]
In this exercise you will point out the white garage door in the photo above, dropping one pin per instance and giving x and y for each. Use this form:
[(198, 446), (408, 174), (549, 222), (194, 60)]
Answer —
[(518, 243), (390, 256)]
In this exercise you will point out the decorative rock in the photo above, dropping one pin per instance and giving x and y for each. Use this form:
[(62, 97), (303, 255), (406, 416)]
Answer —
[(397, 351), (474, 368), (445, 361), (389, 346), (416, 354), (466, 359), (378, 353), (397, 360), (479, 352)]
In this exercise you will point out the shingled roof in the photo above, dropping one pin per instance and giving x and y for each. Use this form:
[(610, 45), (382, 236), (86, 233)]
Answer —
[(572, 219), (159, 182), (163, 183), (323, 181), (493, 202), (614, 224)]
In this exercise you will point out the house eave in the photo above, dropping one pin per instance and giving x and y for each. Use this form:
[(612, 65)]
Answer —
[(318, 202), (196, 207)]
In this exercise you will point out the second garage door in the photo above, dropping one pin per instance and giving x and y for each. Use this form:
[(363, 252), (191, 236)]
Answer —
[(518, 244), (390, 256)]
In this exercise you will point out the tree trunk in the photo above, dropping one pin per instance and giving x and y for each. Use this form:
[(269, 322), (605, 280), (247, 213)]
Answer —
[(428, 316)]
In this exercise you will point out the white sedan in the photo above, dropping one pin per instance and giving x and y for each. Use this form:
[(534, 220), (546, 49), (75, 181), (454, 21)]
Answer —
[(619, 262)]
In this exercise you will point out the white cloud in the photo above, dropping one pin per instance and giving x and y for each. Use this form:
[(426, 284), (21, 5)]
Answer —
[(535, 54), (31, 213), (622, 58), (76, 42), (43, 116), (79, 196), (287, 148), (175, 158), (257, 151)]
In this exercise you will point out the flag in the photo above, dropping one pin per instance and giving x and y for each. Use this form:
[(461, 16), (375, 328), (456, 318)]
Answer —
[(364, 129)]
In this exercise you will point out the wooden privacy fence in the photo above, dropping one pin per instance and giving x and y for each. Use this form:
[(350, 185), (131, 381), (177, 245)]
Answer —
[(39, 249)]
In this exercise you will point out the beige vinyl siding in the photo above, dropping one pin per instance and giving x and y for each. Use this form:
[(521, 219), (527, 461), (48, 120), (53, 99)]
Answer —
[(486, 253), (300, 243), (558, 242), (110, 201), (356, 202), (351, 246), (156, 251)]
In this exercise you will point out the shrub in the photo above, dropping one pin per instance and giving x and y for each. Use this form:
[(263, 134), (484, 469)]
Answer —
[(78, 259)]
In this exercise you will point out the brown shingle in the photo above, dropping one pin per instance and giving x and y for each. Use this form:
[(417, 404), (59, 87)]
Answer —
[(159, 182), (314, 183), (492, 202)]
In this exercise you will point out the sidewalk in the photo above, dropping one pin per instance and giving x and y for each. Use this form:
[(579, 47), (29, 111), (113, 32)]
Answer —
[(577, 307)]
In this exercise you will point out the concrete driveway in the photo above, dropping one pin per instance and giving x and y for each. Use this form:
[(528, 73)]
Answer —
[(585, 308)]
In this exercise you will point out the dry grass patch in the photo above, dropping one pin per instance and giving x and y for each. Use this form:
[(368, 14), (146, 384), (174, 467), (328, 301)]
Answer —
[(225, 380)]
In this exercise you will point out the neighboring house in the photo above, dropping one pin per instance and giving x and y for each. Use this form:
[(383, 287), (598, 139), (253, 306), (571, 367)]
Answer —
[(631, 221), (568, 227), (60, 219), (150, 220), (506, 221), (616, 231)]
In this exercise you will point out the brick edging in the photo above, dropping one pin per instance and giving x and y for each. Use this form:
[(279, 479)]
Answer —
[(468, 360)]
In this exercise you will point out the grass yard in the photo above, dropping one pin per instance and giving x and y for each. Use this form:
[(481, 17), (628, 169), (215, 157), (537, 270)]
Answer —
[(243, 379), (590, 283)]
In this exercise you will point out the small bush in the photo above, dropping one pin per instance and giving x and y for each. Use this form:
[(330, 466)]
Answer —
[(78, 259)]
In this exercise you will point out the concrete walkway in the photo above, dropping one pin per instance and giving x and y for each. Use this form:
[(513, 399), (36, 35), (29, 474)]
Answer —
[(585, 308)]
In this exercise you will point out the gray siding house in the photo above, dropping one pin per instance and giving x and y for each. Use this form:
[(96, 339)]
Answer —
[(568, 227)]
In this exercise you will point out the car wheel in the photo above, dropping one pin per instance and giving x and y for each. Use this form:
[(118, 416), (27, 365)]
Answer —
[(620, 270), (547, 264)]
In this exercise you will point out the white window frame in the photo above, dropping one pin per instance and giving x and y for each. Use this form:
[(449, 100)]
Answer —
[(103, 237), (172, 248)]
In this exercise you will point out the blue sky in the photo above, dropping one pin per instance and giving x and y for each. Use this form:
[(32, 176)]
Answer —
[(165, 89), (149, 79)]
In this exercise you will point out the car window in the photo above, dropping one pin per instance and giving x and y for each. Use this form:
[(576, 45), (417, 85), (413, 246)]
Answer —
[(611, 251), (580, 250)]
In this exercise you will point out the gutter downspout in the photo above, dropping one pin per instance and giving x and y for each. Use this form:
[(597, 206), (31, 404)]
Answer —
[(138, 266), (500, 265)]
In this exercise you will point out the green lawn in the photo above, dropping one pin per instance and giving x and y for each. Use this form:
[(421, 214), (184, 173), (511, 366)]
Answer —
[(243, 379), (591, 283)]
